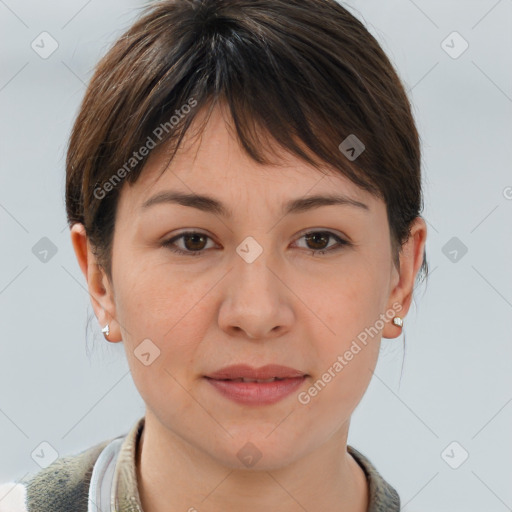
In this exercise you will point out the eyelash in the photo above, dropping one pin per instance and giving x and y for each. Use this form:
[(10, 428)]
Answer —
[(169, 243)]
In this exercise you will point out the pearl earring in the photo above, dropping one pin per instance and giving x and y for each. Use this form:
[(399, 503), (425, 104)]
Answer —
[(398, 321), (106, 331)]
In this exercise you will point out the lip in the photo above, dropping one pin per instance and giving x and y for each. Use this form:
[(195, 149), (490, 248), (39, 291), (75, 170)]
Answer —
[(256, 393), (264, 372)]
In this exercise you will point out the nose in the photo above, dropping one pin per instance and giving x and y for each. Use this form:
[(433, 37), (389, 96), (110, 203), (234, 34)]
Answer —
[(257, 302)]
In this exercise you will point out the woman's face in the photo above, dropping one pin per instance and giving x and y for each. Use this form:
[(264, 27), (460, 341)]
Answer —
[(249, 290)]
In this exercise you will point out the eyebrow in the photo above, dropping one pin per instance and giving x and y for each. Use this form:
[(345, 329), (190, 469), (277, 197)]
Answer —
[(211, 205)]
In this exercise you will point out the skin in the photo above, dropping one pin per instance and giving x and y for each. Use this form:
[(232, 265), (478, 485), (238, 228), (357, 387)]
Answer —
[(287, 307)]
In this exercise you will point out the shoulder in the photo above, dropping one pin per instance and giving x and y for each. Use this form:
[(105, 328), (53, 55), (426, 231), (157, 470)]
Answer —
[(62, 486), (383, 497)]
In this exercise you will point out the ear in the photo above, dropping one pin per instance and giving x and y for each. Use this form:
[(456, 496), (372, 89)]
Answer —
[(411, 259), (100, 288)]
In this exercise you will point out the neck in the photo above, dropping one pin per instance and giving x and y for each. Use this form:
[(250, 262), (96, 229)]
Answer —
[(173, 476)]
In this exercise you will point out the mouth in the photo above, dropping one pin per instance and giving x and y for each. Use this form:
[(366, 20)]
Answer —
[(243, 379), (256, 386), (246, 373)]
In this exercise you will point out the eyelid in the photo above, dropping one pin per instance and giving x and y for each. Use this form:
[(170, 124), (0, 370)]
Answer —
[(331, 231)]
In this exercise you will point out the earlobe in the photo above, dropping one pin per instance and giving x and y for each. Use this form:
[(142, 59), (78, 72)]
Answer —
[(99, 291), (393, 327)]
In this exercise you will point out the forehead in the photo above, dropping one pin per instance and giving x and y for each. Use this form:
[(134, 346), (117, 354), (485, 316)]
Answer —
[(214, 160)]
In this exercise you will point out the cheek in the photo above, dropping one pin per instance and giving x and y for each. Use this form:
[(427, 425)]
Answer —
[(349, 301), (349, 307), (156, 298), (163, 389), (346, 353), (167, 309), (161, 318)]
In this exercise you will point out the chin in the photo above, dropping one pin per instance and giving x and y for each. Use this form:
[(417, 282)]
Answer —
[(258, 451)]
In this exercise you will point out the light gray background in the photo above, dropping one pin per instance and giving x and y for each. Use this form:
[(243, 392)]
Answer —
[(457, 378)]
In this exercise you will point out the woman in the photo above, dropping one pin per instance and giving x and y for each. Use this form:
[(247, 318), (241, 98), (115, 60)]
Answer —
[(244, 196)]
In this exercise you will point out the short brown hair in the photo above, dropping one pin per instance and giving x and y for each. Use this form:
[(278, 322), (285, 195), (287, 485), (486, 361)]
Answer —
[(305, 72)]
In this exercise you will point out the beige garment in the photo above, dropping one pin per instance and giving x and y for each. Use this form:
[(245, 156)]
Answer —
[(125, 476)]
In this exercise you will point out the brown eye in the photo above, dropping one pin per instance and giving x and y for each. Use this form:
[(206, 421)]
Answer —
[(318, 242), (193, 243)]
